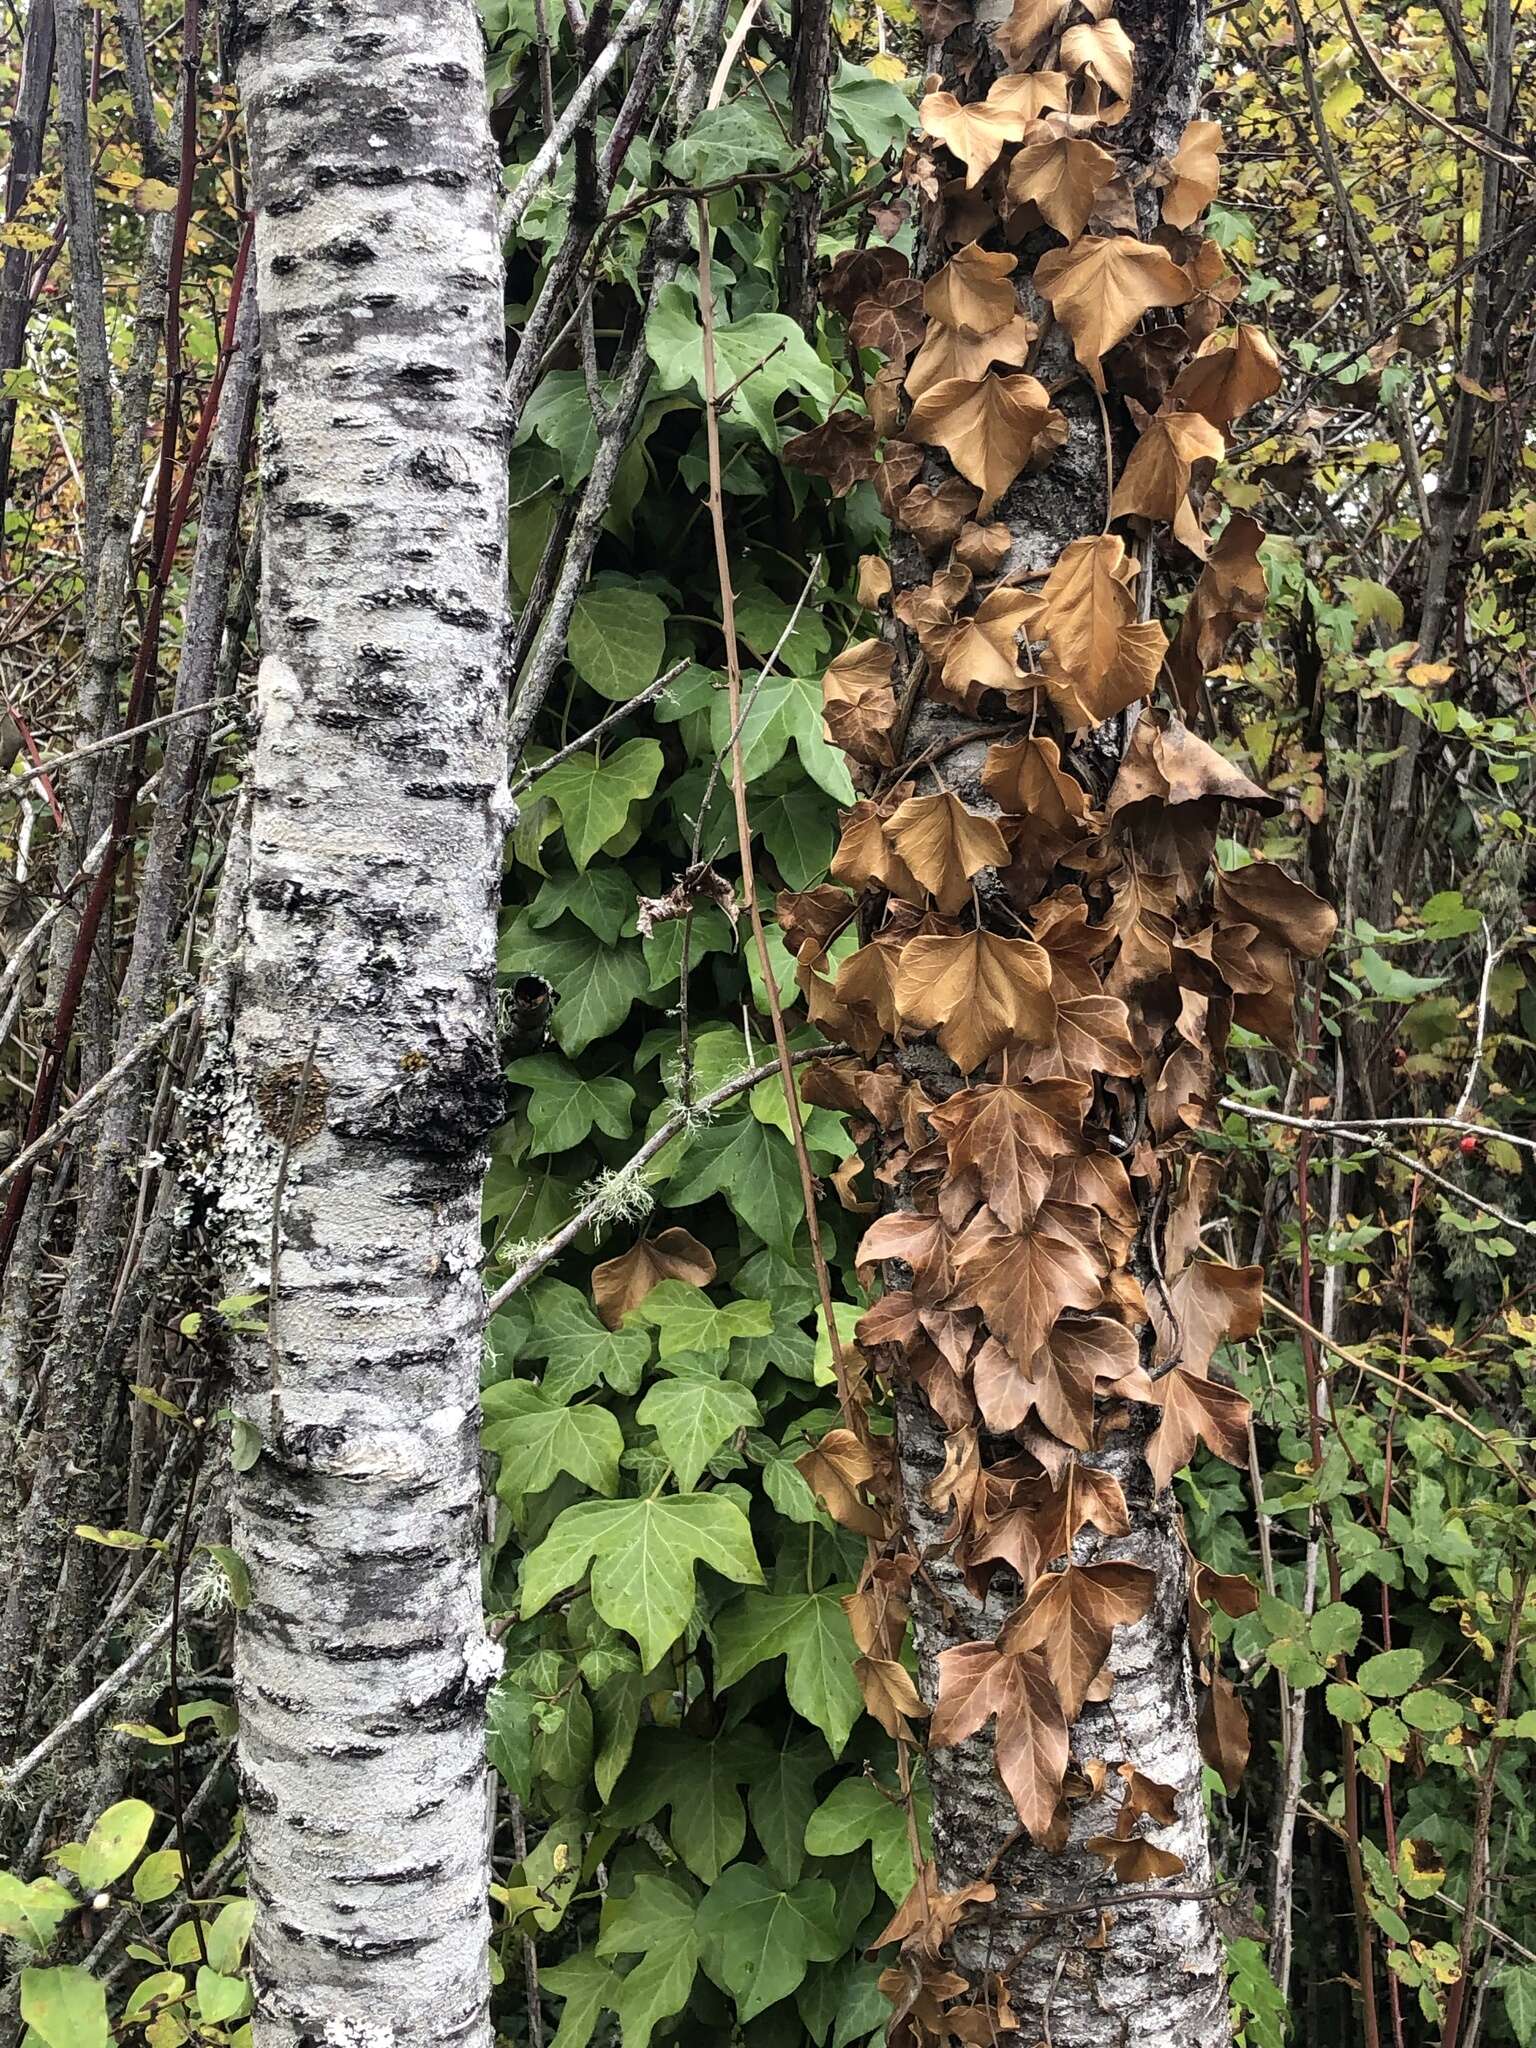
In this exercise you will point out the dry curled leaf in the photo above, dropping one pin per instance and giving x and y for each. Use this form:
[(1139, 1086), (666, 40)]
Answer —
[(944, 845), (979, 991), (622, 1284), (890, 320), (857, 274), (982, 652), (976, 133), (835, 1468), (973, 290), (958, 352), (1100, 287), (858, 703), (1224, 379), (1194, 171), (979, 1682), (1105, 50), (1023, 1282), (1157, 478), (1070, 1617), (1002, 1143), (1063, 176), (841, 450), (1101, 657), (934, 518), (1027, 28), (991, 430), (1133, 1859)]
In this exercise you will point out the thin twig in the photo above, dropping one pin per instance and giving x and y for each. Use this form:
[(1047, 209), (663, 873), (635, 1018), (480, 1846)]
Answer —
[(88, 1708), (574, 113), (610, 719), (1366, 1127)]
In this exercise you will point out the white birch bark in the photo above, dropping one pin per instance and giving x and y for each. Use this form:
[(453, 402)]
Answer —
[(367, 952)]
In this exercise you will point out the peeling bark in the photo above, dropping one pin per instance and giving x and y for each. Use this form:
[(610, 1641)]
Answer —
[(364, 1071)]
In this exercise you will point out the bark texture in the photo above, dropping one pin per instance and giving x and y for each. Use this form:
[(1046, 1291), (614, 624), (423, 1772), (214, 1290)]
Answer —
[(365, 1071), (1156, 1975)]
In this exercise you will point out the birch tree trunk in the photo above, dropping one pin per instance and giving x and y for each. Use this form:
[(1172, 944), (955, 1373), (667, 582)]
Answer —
[(365, 1068), (1149, 1973)]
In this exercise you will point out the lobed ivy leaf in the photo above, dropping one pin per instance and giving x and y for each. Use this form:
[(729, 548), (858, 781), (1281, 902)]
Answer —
[(564, 1105), (759, 1938), (537, 1439), (616, 640), (642, 1555), (764, 355), (693, 1417), (594, 793), (810, 1632)]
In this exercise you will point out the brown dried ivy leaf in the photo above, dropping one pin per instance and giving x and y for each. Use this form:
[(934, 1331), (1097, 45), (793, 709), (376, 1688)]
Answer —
[(1002, 1143), (1231, 592), (1027, 27), (1101, 658), (981, 549), (858, 704), (940, 18), (928, 1916), (1080, 1360), (1071, 1616), (809, 920), (877, 1609), (1225, 378), (1092, 1037), (874, 582), (956, 352), (899, 469), (1212, 1303), (1104, 49), (1233, 1592), (1167, 764), (1142, 904), (944, 845), (1022, 1283), (866, 982), (920, 1243), (1031, 93), (975, 133), (1194, 172), (834, 1468), (857, 274), (1195, 1410), (991, 430), (1133, 1859), (1100, 287), (973, 290), (981, 652), (978, 1681), (1223, 1731), (622, 1284), (841, 449), (1285, 910), (979, 991), (890, 320), (934, 518), (1145, 1798), (1063, 175), (1212, 288), (1156, 481), (890, 1695), (865, 855)]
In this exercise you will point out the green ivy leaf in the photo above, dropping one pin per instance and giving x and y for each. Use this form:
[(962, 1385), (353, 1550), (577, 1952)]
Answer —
[(784, 709), (564, 1105), (587, 1985), (509, 1736), (601, 898), (537, 1439), (642, 1555), (765, 355), (726, 141), (578, 1349), (617, 637), (798, 828), (781, 1799), (686, 1319), (1517, 1981), (759, 1939), (597, 985), (692, 1418), (752, 1167), (593, 795), (855, 1811), (810, 1632)]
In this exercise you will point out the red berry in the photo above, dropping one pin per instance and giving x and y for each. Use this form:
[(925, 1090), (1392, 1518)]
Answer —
[(1469, 1144)]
